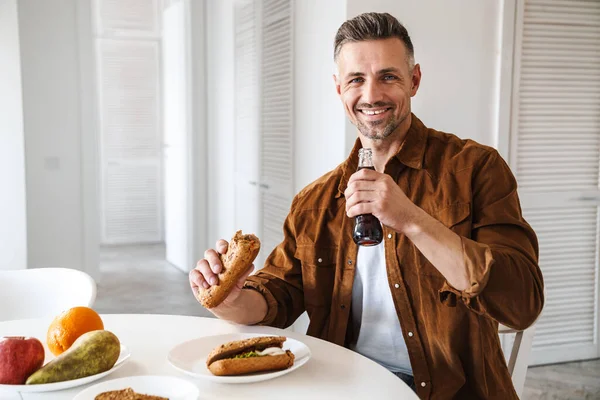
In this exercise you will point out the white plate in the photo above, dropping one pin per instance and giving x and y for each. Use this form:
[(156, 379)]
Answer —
[(190, 358), (49, 387), (166, 386)]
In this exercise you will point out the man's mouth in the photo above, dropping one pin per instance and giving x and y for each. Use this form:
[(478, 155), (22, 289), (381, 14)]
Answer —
[(371, 112)]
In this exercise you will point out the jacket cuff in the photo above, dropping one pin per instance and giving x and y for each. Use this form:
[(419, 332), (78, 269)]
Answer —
[(478, 261), (253, 283)]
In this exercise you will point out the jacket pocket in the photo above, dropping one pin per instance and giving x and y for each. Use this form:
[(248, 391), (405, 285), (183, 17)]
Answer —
[(318, 274), (456, 217)]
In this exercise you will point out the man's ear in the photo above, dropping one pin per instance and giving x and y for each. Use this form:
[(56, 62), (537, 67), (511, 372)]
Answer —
[(337, 85), (415, 80)]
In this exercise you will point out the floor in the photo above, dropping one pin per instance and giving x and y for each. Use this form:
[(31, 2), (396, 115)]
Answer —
[(573, 381), (137, 279)]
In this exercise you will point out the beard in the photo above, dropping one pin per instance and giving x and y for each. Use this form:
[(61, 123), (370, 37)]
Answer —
[(379, 130)]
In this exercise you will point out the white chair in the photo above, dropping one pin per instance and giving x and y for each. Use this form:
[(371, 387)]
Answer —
[(43, 292), (518, 361)]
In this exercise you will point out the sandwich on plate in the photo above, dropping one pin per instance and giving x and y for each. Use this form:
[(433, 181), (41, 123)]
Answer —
[(257, 354)]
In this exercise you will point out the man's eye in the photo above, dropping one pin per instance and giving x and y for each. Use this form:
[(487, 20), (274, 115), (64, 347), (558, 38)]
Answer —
[(389, 78), (356, 80)]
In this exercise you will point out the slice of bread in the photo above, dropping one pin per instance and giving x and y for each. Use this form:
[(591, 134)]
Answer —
[(127, 394), (240, 366)]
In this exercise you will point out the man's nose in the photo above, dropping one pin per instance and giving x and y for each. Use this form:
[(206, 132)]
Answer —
[(372, 92)]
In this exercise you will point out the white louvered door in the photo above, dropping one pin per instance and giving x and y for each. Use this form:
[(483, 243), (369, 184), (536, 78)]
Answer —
[(247, 97), (131, 17), (277, 112), (128, 62), (555, 153), (264, 119)]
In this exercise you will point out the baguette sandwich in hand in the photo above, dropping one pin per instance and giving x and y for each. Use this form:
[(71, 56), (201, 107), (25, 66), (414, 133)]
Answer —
[(258, 354), (241, 252)]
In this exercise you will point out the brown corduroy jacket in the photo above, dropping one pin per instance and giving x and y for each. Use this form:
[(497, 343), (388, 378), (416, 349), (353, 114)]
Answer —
[(451, 335)]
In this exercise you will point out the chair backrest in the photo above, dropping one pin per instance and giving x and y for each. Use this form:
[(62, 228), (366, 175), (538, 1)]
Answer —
[(518, 361), (42, 292)]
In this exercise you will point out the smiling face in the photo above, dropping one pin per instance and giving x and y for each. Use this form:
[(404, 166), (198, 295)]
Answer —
[(375, 83)]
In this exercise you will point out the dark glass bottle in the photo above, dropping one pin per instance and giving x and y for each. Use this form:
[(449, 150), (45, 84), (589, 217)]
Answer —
[(367, 228)]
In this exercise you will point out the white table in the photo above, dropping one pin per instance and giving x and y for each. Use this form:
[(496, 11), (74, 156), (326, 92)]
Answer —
[(332, 372)]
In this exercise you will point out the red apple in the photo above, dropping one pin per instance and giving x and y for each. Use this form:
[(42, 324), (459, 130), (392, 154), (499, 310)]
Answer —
[(19, 357)]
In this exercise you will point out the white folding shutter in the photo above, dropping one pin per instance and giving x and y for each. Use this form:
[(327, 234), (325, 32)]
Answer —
[(130, 141), (555, 153), (131, 17), (128, 46), (276, 118), (246, 123)]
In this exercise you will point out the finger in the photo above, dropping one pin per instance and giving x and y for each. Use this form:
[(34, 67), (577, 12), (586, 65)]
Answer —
[(364, 175), (222, 246), (359, 197), (350, 189), (370, 174), (208, 274), (359, 186), (242, 280), (201, 282), (360, 209), (213, 260), (193, 278), (197, 280)]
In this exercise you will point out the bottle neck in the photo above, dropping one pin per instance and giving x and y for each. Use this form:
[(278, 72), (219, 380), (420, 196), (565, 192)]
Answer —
[(365, 159), (371, 167)]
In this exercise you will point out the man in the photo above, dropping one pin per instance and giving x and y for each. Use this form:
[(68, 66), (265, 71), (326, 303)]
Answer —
[(457, 256)]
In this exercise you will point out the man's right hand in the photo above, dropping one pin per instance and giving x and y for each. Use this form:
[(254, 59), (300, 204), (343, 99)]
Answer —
[(205, 275)]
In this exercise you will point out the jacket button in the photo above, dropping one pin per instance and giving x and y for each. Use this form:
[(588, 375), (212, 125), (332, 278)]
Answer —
[(410, 334), (396, 286), (349, 262), (320, 260), (389, 235), (343, 306), (423, 384)]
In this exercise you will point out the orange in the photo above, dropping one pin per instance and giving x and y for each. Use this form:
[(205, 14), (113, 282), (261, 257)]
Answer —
[(69, 325)]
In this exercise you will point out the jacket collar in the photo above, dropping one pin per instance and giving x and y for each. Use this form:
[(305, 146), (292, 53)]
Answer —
[(411, 152)]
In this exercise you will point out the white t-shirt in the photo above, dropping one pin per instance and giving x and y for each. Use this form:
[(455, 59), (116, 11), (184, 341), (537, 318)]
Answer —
[(373, 313)]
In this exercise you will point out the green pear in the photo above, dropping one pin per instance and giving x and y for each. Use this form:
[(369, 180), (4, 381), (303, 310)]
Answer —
[(92, 353)]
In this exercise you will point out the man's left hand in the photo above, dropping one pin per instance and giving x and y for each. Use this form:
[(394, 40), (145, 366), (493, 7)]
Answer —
[(371, 192)]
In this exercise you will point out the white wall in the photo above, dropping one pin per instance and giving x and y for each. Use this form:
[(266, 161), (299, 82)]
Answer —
[(457, 44), (51, 105), (319, 115), (13, 237), (198, 230)]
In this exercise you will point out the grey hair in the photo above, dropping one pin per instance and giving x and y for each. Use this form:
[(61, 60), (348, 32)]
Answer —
[(373, 26)]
